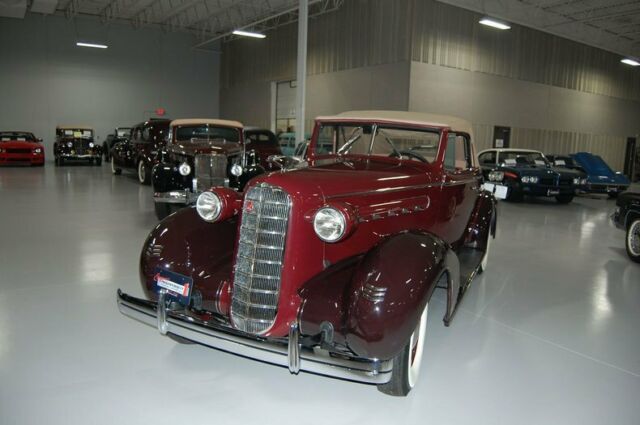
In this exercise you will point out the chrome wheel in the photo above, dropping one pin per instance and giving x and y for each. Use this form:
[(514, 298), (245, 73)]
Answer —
[(142, 172), (633, 240)]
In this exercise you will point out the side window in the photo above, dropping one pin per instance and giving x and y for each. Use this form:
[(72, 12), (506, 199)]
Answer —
[(136, 134), (488, 158), (145, 134), (458, 155)]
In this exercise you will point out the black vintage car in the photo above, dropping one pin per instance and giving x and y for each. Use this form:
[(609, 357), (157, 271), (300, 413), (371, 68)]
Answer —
[(528, 173), (202, 153), (627, 217), (142, 150), (120, 134), (76, 143)]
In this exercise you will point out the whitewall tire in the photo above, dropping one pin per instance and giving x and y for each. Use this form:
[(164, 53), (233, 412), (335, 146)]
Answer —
[(633, 240)]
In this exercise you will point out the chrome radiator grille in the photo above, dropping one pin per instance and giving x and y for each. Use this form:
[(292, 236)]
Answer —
[(210, 170), (258, 269)]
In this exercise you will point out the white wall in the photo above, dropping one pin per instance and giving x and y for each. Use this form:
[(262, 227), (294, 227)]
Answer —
[(45, 80)]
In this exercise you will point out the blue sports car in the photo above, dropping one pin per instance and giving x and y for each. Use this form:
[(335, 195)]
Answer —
[(600, 177)]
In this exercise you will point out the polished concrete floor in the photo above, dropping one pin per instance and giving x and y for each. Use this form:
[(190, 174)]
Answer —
[(548, 335)]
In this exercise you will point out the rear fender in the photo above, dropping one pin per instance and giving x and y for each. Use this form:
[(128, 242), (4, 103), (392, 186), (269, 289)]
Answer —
[(184, 243), (390, 289)]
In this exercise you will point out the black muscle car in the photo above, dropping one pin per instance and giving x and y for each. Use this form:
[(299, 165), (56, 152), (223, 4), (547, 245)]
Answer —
[(202, 153), (528, 173), (627, 217)]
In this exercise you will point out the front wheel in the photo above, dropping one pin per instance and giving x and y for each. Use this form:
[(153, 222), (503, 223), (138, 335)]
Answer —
[(144, 174), (105, 152), (564, 199), (633, 240), (406, 365), (115, 170)]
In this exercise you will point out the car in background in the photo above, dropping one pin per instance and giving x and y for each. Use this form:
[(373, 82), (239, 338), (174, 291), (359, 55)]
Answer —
[(119, 135), (20, 148), (142, 150), (76, 144), (288, 142), (202, 153), (566, 161), (526, 172), (600, 177), (330, 268), (627, 218)]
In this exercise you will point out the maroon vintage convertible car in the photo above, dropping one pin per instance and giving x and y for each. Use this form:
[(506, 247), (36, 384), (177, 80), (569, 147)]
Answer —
[(328, 269)]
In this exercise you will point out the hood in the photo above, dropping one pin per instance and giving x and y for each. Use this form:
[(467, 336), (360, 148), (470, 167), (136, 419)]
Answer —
[(19, 144), (338, 177), (597, 169), (204, 147)]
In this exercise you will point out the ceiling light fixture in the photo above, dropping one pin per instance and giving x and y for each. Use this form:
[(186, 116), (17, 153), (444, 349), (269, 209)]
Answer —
[(490, 22), (96, 46), (249, 34), (630, 61)]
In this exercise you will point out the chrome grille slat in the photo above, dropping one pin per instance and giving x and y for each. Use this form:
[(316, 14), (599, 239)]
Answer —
[(210, 170), (258, 267)]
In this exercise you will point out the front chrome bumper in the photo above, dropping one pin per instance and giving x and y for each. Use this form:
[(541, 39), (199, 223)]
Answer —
[(286, 352), (175, 197)]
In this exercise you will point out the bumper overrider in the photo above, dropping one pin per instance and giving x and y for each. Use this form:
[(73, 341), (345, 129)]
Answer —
[(286, 352)]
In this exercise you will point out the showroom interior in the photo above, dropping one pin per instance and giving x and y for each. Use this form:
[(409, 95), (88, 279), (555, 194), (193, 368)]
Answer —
[(338, 211)]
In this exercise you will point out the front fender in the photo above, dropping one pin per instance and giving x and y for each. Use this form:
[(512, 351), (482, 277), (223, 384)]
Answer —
[(165, 178), (184, 243)]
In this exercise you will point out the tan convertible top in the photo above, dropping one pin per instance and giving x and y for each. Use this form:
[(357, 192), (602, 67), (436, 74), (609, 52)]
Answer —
[(414, 118), (74, 127), (195, 121)]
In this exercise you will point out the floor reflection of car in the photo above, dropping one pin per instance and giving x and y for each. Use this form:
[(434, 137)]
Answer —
[(528, 172), (20, 148), (76, 144), (600, 177)]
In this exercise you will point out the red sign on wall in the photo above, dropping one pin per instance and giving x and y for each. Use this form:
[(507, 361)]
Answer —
[(160, 112)]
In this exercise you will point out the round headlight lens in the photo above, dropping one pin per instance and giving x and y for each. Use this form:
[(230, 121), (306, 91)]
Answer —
[(329, 224), (236, 170), (576, 181), (496, 176), (209, 206), (69, 144), (37, 150), (91, 144), (184, 169)]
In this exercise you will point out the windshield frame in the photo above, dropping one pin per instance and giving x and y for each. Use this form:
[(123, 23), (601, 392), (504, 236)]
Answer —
[(173, 139), (500, 162), (375, 126)]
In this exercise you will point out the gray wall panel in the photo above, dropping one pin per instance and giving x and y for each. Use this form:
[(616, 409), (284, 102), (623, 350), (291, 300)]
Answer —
[(45, 80)]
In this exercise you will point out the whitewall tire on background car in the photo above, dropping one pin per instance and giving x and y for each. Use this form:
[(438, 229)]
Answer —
[(115, 170), (406, 365), (144, 176), (633, 240)]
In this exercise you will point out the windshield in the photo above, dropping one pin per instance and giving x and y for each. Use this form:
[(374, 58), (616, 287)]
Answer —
[(368, 139), (511, 158), (7, 136), (204, 132)]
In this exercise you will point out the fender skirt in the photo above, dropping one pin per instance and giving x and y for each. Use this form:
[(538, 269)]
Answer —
[(370, 304)]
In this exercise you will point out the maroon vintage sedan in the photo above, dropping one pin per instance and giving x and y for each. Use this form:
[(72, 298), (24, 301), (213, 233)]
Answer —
[(328, 269)]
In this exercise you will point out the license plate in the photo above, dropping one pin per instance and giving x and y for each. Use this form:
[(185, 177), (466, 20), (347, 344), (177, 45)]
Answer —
[(499, 191), (177, 286), (552, 192)]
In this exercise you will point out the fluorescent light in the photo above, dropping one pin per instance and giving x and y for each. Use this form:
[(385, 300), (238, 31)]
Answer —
[(249, 34), (630, 61), (494, 24), (97, 46)]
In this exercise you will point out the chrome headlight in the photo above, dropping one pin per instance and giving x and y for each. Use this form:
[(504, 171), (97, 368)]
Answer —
[(69, 144), (209, 206), (329, 224), (184, 169), (529, 179), (91, 144), (496, 176), (37, 150), (576, 180), (236, 170), (583, 181)]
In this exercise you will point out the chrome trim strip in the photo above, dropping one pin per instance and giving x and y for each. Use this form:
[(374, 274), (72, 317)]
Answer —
[(402, 188), (214, 335)]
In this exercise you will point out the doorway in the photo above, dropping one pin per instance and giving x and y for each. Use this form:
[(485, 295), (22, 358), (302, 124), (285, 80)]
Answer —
[(501, 136)]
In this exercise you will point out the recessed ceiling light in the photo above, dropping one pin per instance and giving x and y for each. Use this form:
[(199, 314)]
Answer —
[(249, 34), (494, 24), (630, 61), (96, 46)]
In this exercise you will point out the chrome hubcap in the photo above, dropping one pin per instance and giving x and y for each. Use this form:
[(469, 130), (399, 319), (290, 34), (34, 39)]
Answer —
[(633, 238), (141, 171)]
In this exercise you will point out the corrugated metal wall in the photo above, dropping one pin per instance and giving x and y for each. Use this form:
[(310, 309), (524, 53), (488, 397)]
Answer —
[(362, 33), (449, 36)]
